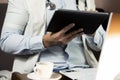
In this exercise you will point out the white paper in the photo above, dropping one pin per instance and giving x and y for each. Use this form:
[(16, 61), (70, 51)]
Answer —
[(80, 73)]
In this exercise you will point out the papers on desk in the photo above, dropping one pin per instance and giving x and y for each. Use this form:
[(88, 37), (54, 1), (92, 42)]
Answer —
[(80, 73)]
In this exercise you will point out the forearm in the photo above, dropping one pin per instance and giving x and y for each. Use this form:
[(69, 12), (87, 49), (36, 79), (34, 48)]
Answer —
[(21, 45), (12, 37)]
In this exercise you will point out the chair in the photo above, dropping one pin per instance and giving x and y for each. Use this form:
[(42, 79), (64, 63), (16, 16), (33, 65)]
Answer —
[(6, 60)]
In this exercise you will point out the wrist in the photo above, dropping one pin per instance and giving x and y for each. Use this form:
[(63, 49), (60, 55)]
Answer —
[(45, 42)]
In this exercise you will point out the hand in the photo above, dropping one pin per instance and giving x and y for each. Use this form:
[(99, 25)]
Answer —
[(61, 38), (92, 35)]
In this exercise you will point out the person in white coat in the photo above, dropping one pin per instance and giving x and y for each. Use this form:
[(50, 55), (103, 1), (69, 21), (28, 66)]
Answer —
[(24, 35)]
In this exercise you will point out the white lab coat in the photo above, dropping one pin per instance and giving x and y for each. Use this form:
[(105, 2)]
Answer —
[(36, 26)]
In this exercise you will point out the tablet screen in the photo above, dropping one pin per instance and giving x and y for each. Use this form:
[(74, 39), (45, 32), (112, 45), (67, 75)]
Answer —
[(89, 21)]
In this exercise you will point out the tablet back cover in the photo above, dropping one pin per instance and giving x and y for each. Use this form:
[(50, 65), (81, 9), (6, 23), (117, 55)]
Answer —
[(89, 21)]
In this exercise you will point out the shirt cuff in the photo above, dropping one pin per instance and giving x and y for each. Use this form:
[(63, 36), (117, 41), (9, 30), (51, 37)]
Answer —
[(36, 43)]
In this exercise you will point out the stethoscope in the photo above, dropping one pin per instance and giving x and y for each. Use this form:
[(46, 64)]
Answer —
[(51, 6)]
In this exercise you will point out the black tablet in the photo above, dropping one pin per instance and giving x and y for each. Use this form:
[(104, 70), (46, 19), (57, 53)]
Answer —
[(89, 21)]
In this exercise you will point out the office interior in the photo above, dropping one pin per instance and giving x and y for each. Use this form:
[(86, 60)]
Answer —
[(6, 60)]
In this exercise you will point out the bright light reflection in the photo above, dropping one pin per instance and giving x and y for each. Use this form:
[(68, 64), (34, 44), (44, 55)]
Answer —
[(109, 65)]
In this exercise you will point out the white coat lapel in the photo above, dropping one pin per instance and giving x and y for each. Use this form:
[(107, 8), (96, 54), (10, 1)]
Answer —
[(35, 26), (37, 16)]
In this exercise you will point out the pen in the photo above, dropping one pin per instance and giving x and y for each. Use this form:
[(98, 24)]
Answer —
[(70, 71)]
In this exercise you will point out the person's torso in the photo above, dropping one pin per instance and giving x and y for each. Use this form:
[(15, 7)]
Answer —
[(57, 54)]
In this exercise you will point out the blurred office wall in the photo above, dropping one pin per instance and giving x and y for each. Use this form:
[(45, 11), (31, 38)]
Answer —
[(109, 5)]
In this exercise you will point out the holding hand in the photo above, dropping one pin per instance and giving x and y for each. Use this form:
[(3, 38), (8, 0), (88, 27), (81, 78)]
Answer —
[(61, 38)]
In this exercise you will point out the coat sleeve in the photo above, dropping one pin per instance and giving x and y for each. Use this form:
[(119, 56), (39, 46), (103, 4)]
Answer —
[(12, 36), (95, 42)]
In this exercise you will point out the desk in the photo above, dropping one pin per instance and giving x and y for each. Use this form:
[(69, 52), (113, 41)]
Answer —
[(19, 76)]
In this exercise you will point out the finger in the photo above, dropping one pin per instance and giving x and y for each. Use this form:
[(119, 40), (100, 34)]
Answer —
[(67, 28), (90, 34), (72, 37), (65, 40), (48, 32), (74, 33)]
